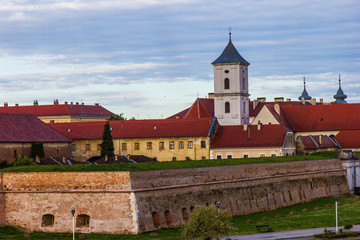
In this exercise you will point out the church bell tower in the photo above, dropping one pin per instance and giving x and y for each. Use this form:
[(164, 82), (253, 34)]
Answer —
[(231, 89)]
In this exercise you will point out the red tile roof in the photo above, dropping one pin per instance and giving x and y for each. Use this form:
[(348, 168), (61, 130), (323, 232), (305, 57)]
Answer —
[(313, 142), (348, 138), (74, 110), (137, 128), (236, 137), (201, 108), (27, 128), (323, 117)]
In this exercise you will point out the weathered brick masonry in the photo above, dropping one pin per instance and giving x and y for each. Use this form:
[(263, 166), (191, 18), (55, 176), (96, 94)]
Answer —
[(132, 202)]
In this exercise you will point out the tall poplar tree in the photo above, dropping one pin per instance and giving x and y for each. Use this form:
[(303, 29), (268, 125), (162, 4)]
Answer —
[(107, 145)]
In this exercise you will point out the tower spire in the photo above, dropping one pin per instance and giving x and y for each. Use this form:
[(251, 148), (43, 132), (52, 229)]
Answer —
[(305, 94), (340, 96)]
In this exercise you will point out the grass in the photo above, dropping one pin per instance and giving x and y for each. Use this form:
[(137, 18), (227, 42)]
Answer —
[(167, 165), (324, 216)]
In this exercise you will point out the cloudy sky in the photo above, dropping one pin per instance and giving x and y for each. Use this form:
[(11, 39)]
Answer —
[(152, 58)]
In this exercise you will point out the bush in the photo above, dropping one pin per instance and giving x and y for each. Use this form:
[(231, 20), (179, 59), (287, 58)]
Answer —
[(4, 164), (208, 222), (23, 161)]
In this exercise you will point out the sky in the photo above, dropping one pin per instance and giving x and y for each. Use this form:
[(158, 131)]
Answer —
[(152, 58)]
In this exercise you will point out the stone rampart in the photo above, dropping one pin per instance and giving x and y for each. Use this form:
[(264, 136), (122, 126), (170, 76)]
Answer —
[(132, 202)]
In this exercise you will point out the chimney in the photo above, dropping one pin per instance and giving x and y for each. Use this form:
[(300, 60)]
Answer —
[(255, 103), (82, 103), (288, 99), (278, 99), (261, 99), (35, 103), (6, 104), (71, 103), (77, 103), (56, 102), (245, 127), (16, 104), (65, 103), (259, 125), (320, 139), (277, 108), (96, 104), (321, 100)]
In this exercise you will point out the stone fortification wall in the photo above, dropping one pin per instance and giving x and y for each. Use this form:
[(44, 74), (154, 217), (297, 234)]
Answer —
[(165, 198), (132, 202), (104, 197)]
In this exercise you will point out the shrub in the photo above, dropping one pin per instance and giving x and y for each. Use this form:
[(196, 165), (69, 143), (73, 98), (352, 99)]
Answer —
[(23, 161), (208, 222), (4, 164), (348, 226)]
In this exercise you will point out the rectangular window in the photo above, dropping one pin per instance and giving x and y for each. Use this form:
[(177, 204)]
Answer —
[(203, 158), (149, 145), (203, 144), (137, 146), (262, 155), (246, 156), (87, 148), (73, 147), (181, 144), (218, 157), (229, 156), (174, 158), (123, 146), (171, 145), (161, 145), (273, 154), (190, 144)]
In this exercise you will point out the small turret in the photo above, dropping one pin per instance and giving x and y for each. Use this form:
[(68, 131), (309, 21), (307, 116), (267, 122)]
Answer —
[(340, 96), (305, 94)]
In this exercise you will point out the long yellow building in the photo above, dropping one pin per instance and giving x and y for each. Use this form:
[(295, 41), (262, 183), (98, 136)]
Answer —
[(163, 140)]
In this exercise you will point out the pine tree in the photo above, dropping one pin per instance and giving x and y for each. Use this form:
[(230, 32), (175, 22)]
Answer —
[(107, 145)]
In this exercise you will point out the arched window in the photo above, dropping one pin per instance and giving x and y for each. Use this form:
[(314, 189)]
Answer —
[(244, 84), (156, 219), (226, 83), (185, 214), (47, 220), (168, 217), (227, 107), (83, 220)]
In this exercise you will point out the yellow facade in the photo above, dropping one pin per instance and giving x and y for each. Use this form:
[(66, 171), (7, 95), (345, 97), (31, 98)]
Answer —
[(163, 149), (265, 117), (225, 153), (62, 119)]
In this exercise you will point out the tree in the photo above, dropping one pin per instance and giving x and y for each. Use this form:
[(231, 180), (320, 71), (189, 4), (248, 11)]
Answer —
[(208, 222), (107, 145), (117, 117)]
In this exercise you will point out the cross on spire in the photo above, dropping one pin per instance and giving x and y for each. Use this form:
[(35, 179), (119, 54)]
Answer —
[(229, 33)]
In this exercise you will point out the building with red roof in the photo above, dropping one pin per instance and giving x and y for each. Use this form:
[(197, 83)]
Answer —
[(245, 141), (18, 131), (165, 139), (67, 112)]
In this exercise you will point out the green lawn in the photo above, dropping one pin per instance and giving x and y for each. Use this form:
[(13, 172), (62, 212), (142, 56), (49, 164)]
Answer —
[(167, 165), (320, 213)]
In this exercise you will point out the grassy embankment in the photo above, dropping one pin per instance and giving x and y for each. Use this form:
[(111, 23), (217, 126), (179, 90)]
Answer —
[(167, 165), (319, 213)]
